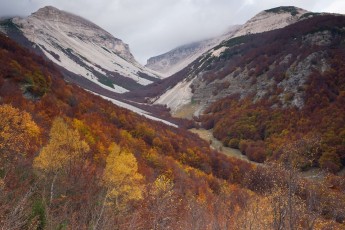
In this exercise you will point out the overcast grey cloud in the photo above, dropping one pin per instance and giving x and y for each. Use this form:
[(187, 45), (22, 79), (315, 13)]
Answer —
[(152, 27)]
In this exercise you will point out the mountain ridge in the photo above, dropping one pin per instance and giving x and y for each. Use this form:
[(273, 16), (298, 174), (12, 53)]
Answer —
[(50, 13), (247, 87), (261, 91), (82, 48), (178, 58), (271, 19), (232, 50)]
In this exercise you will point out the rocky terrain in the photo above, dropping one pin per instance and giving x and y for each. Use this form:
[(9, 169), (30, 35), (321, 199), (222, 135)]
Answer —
[(173, 61), (180, 57), (270, 106), (90, 56), (243, 64), (271, 19)]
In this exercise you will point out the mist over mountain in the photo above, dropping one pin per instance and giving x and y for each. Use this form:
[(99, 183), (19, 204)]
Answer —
[(173, 61), (241, 131)]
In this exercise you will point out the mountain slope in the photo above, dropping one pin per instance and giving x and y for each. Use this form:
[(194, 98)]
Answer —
[(268, 93), (261, 92), (271, 19), (173, 180), (176, 59), (257, 64), (268, 20), (173, 61), (32, 90), (83, 49)]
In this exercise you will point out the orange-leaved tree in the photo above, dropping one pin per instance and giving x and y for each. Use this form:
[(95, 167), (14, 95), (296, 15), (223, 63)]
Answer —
[(17, 131)]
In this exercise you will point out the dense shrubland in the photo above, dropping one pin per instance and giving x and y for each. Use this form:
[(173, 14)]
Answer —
[(302, 70), (263, 129), (71, 160)]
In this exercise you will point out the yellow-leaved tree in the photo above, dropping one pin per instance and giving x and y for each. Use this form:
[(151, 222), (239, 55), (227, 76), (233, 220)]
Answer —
[(122, 178), (64, 149), (163, 204), (17, 131)]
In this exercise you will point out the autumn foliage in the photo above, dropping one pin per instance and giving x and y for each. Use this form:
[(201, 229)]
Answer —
[(17, 132), (262, 126), (261, 130), (83, 162), (63, 149), (87, 164)]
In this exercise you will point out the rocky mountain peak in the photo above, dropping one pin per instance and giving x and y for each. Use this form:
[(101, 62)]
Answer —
[(47, 10), (293, 10), (271, 19), (89, 55), (51, 13), (267, 20), (49, 19)]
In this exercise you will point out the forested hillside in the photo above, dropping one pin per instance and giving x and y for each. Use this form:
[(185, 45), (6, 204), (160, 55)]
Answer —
[(292, 89), (260, 92), (71, 160)]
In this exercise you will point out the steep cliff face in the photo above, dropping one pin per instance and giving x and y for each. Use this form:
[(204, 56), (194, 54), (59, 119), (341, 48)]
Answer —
[(84, 49)]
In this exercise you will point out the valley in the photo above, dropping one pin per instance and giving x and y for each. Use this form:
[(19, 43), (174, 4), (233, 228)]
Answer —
[(217, 145), (245, 130)]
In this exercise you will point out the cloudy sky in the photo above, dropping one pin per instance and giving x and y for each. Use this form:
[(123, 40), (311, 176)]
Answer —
[(152, 27)]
